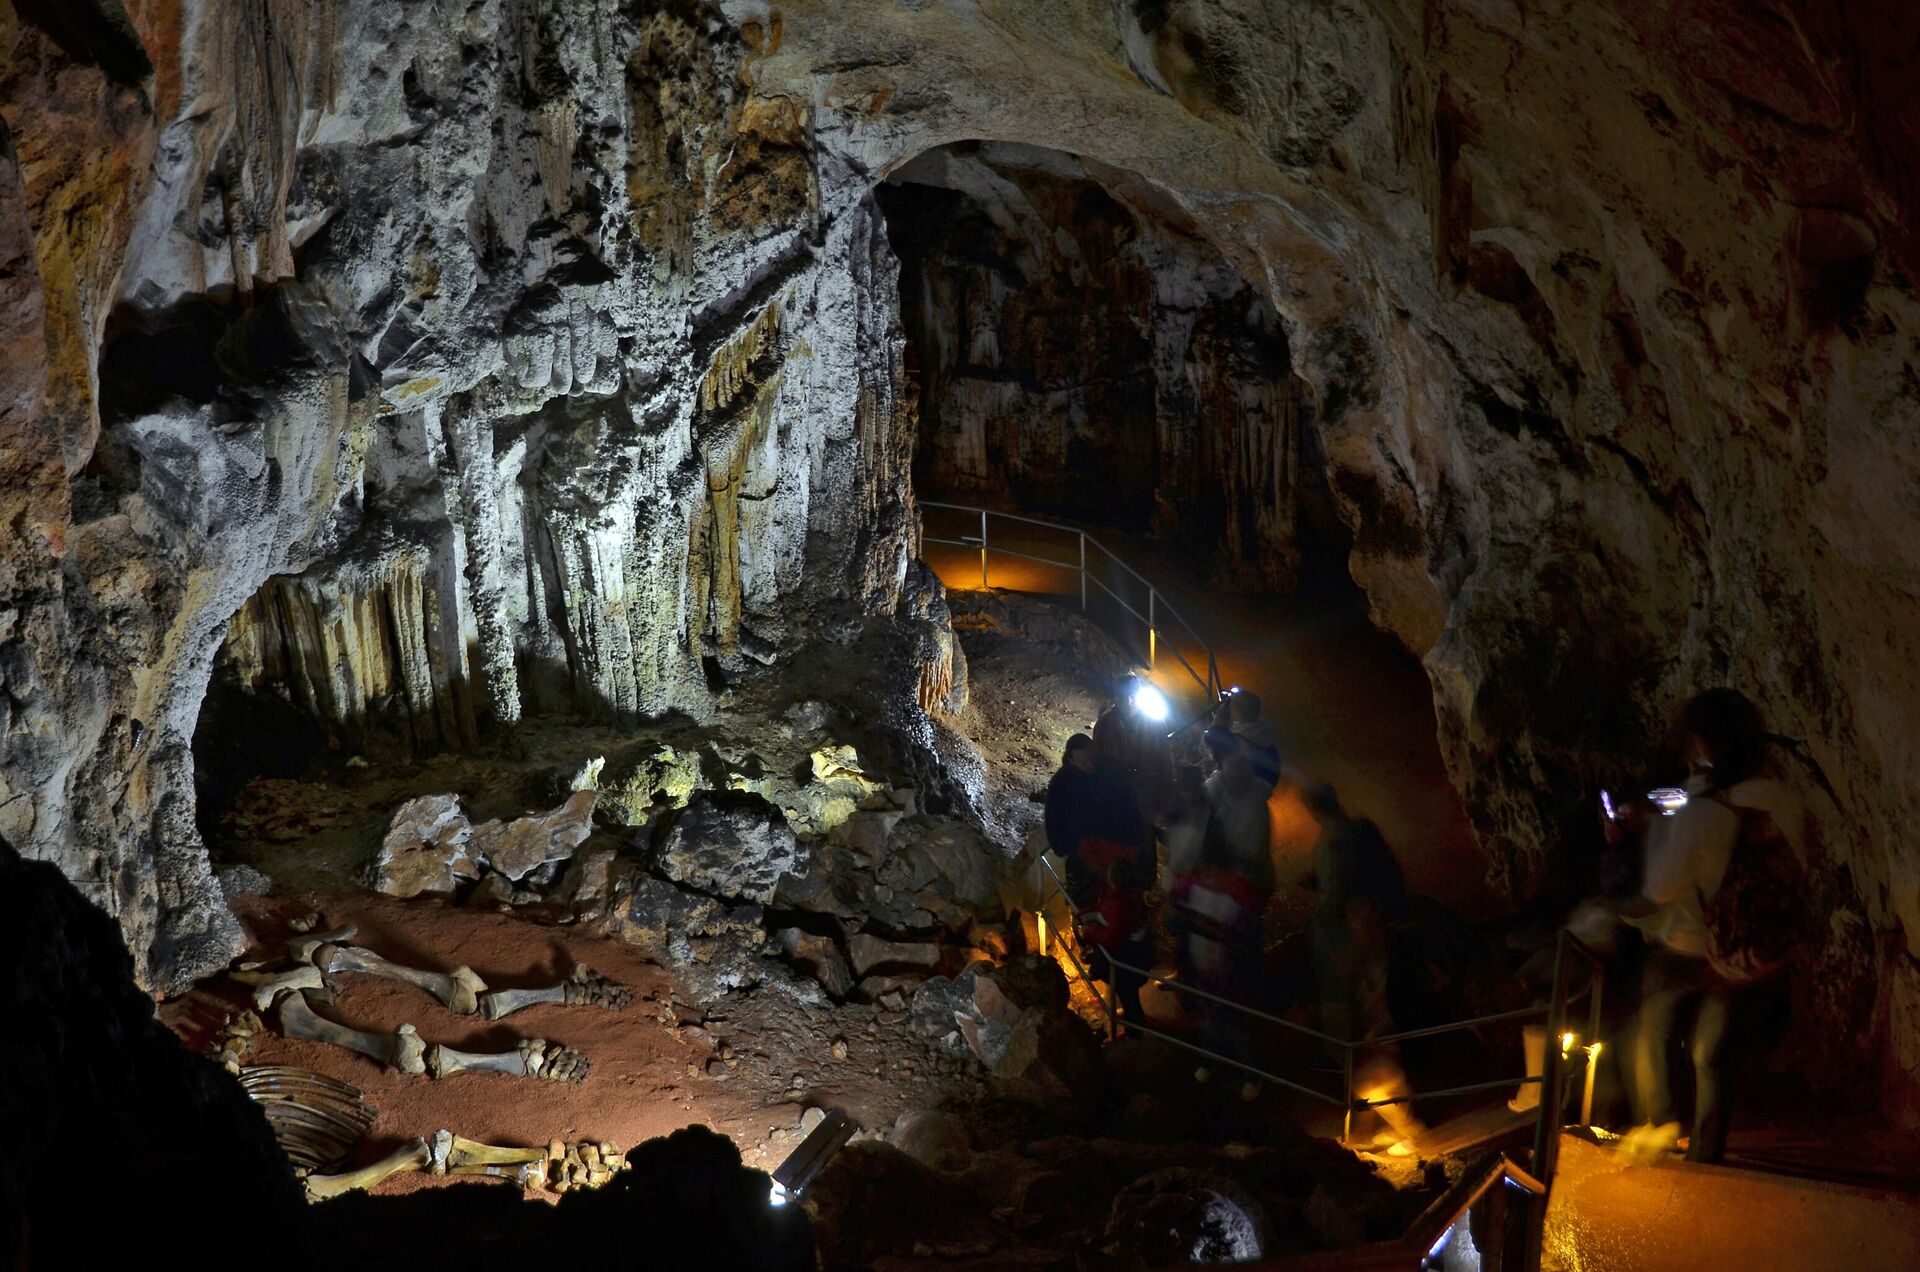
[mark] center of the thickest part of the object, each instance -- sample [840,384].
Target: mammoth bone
[402,1049]
[533,1058]
[457,990]
[585,987]
[268,986]
[559,1166]
[413,1155]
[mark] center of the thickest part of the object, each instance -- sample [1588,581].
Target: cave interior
[556,555]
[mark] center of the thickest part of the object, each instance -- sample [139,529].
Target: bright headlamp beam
[1150,702]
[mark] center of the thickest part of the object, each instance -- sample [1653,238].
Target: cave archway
[1083,351]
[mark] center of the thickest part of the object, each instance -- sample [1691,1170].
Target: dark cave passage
[1093,361]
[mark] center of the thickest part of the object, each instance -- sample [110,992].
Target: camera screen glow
[1150,702]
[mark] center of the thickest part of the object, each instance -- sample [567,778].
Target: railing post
[1083,571]
[1346,1128]
[983,549]
[1546,1132]
[1153,630]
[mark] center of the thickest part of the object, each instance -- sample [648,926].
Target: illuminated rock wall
[1082,357]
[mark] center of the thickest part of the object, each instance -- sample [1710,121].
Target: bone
[303,950]
[584,988]
[457,990]
[533,1058]
[269,986]
[451,1151]
[401,1049]
[504,1002]
[410,1156]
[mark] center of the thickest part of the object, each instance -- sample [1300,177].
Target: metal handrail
[1157,606]
[1551,1079]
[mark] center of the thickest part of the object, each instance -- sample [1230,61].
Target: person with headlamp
[1131,738]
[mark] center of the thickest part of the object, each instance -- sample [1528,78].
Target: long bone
[451,1151]
[533,1058]
[457,990]
[402,1049]
[412,1155]
[303,950]
[268,986]
[585,987]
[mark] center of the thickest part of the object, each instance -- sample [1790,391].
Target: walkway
[1352,707]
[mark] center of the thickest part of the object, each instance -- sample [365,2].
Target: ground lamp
[806,1162]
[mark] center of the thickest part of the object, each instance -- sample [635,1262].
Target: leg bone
[410,1156]
[457,990]
[303,950]
[402,1049]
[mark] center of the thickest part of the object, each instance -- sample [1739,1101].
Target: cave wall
[437,368]
[1607,308]
[1086,359]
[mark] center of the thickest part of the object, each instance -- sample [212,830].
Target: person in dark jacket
[1094,824]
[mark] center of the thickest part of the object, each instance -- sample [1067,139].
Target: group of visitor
[1702,887]
[1123,818]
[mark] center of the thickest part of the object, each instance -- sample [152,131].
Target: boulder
[492,889]
[817,956]
[721,943]
[933,1138]
[242,881]
[1052,1058]
[427,849]
[871,953]
[522,846]
[1181,1216]
[731,845]
[635,790]
[588,883]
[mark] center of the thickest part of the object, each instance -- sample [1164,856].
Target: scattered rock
[730,845]
[839,1049]
[1052,1058]
[811,1119]
[636,790]
[426,849]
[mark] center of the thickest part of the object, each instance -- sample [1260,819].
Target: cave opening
[1082,353]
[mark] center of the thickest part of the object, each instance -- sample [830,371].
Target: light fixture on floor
[805,1163]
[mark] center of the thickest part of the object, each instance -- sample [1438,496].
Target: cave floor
[656,1066]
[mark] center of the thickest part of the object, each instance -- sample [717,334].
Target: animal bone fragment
[450,1151]
[585,987]
[410,1156]
[402,1049]
[303,950]
[457,990]
[268,986]
[533,1058]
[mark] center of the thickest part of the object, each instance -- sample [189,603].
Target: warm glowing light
[1150,702]
[1041,918]
[1593,1051]
[1567,1042]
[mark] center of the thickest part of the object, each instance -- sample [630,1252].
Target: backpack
[1755,920]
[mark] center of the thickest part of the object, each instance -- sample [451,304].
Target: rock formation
[428,368]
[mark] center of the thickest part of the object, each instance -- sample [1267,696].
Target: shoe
[1526,1103]
[1203,1075]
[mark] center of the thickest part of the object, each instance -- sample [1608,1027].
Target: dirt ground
[749,1068]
